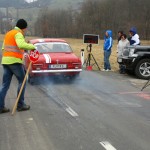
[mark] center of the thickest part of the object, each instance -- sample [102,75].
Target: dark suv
[137,60]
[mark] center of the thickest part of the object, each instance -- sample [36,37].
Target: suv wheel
[142,69]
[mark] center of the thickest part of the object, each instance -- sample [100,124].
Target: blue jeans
[106,60]
[10,70]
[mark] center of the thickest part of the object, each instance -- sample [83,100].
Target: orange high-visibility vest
[10,46]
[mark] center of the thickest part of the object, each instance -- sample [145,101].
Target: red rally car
[56,58]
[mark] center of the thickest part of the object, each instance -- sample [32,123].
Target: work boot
[4,110]
[23,108]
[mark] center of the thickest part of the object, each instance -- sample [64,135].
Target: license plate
[56,66]
[119,60]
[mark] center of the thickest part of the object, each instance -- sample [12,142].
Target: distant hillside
[53,4]
[23,9]
[16,9]
[75,4]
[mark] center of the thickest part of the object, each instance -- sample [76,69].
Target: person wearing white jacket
[120,48]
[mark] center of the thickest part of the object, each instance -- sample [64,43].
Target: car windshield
[53,47]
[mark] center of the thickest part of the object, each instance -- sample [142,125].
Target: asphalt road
[98,111]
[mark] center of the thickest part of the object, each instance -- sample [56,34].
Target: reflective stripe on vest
[13,49]
[10,46]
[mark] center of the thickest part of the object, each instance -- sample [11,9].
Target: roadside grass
[97,51]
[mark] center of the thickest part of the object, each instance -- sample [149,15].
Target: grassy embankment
[97,51]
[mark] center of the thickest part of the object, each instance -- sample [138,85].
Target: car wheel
[142,69]
[30,79]
[73,77]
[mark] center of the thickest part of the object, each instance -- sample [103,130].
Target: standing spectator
[134,37]
[119,35]
[120,47]
[12,60]
[107,49]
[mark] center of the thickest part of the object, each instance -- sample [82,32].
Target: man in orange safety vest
[12,61]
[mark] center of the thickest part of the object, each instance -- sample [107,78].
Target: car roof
[43,40]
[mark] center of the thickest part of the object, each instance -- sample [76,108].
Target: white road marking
[107,145]
[71,112]
[59,100]
[30,119]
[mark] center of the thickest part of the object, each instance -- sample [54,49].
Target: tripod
[146,85]
[90,57]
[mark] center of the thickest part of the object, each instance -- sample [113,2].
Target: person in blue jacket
[108,42]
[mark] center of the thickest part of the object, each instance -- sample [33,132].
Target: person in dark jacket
[108,41]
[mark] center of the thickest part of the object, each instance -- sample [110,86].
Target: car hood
[58,57]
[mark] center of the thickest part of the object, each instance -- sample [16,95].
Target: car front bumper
[128,62]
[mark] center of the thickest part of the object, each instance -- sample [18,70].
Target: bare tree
[95,17]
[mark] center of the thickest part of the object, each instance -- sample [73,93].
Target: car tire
[142,69]
[30,79]
[74,77]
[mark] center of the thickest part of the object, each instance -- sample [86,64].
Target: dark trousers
[10,70]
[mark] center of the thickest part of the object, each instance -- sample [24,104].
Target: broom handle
[16,102]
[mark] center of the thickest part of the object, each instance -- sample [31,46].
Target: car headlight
[131,53]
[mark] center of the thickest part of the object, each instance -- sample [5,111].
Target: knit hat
[22,24]
[133,29]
